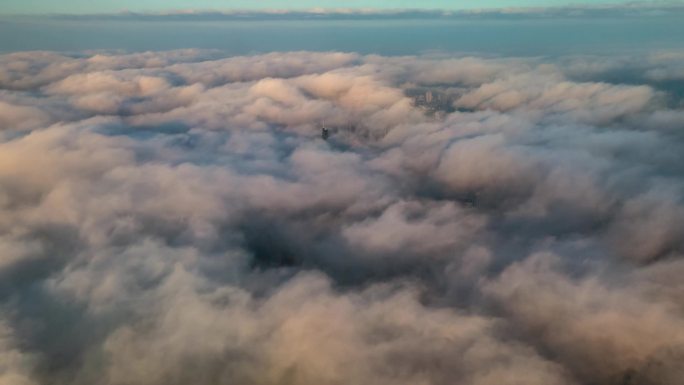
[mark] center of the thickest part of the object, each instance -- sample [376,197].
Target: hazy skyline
[106,6]
[542,32]
[579,29]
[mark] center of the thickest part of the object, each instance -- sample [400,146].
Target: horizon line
[574,10]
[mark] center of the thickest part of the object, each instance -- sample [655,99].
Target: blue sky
[107,6]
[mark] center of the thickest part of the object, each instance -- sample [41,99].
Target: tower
[325,133]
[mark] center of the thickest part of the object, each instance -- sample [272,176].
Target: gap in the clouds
[184,144]
[144,132]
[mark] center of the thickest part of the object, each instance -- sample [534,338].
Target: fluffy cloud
[174,217]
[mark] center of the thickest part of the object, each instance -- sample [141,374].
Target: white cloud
[174,218]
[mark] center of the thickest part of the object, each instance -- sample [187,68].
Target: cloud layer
[175,218]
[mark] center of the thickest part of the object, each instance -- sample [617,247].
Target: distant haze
[547,32]
[103,6]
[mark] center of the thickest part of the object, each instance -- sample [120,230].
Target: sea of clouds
[175,218]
